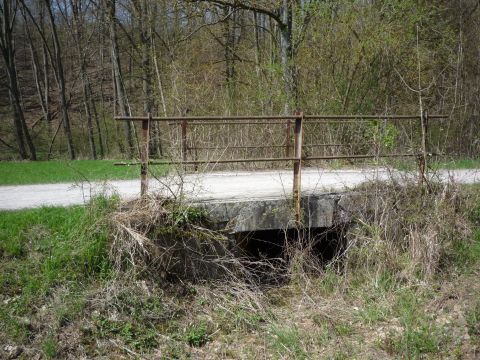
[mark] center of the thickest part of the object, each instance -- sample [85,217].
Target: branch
[7,144]
[205,25]
[240,5]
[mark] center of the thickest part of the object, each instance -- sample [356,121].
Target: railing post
[422,164]
[297,167]
[144,154]
[184,142]
[288,139]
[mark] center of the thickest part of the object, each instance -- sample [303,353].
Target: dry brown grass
[407,229]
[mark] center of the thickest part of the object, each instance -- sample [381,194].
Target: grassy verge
[458,164]
[61,297]
[43,172]
[50,258]
[440,164]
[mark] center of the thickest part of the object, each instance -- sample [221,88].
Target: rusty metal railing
[297,121]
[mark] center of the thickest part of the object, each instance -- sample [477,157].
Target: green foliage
[197,335]
[139,336]
[382,134]
[414,343]
[419,334]
[50,347]
[286,342]
[48,248]
[189,215]
[473,321]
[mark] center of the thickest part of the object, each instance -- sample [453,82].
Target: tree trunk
[7,24]
[229,49]
[117,74]
[287,58]
[146,42]
[60,77]
[77,33]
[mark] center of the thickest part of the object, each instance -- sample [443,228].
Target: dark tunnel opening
[271,249]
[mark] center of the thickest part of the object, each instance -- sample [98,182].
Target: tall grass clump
[170,240]
[409,232]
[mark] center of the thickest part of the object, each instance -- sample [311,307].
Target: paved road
[222,186]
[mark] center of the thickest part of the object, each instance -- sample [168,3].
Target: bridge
[285,180]
[277,199]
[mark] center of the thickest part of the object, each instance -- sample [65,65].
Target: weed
[141,337]
[414,343]
[197,335]
[71,307]
[473,322]
[286,341]
[50,347]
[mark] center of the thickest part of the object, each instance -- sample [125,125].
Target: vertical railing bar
[144,154]
[184,142]
[297,168]
[423,157]
[288,139]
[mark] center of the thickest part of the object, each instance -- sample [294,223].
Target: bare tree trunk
[286,58]
[229,49]
[60,77]
[257,44]
[37,76]
[117,73]
[146,41]
[7,23]
[77,33]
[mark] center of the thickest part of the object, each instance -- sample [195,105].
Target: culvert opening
[270,250]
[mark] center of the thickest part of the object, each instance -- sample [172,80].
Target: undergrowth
[149,279]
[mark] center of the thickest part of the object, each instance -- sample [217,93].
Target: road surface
[212,187]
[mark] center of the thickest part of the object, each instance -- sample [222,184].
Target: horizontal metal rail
[303,158]
[207,118]
[259,146]
[244,120]
[295,122]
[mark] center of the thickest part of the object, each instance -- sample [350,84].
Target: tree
[117,75]
[60,78]
[8,13]
[282,15]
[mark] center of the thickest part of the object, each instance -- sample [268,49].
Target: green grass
[56,280]
[47,250]
[458,164]
[286,342]
[44,172]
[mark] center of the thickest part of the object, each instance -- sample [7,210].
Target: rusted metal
[209,118]
[144,154]
[422,163]
[307,118]
[208,161]
[366,156]
[288,138]
[195,122]
[300,119]
[304,158]
[371,117]
[184,140]
[297,168]
[261,146]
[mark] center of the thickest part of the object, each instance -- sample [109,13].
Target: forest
[70,66]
